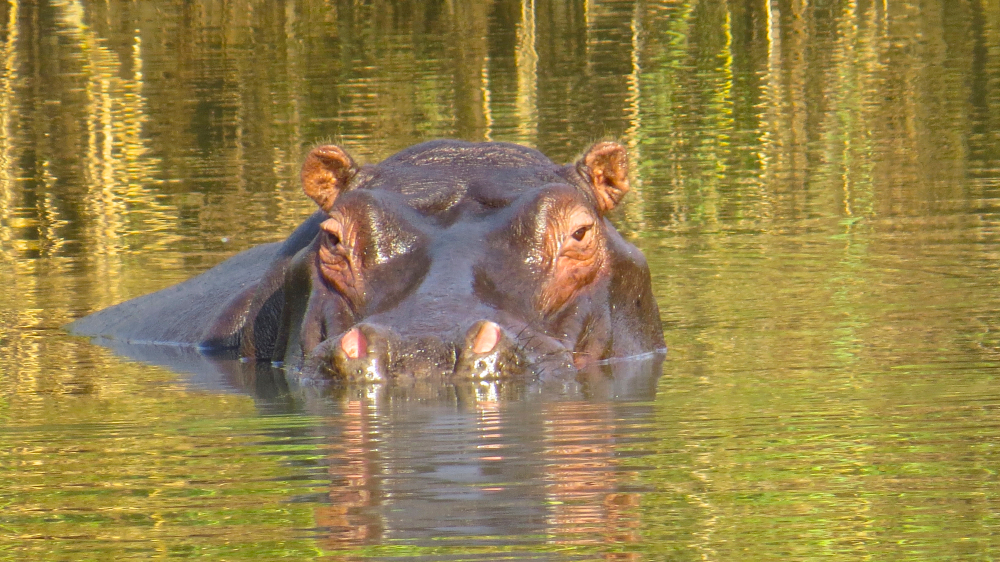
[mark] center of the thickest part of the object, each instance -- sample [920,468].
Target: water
[817,189]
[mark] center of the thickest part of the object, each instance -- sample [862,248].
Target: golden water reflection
[817,188]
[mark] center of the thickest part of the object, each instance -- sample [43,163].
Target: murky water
[817,188]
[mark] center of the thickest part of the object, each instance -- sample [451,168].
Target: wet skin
[448,259]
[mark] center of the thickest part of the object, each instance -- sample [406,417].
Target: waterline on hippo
[449,259]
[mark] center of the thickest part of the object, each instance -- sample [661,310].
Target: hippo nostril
[354,344]
[489,353]
[486,338]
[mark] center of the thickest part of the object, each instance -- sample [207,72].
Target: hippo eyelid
[332,228]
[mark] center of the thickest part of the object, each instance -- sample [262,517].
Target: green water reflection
[817,189]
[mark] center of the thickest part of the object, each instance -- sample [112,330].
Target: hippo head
[475,260]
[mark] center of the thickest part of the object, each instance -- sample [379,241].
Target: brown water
[817,188]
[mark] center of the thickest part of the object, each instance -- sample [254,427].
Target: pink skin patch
[487,338]
[354,344]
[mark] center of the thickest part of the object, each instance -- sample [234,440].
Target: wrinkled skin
[453,259]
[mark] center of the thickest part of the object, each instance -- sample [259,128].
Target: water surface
[816,187]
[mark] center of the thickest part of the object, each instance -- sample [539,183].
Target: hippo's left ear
[326,173]
[605,167]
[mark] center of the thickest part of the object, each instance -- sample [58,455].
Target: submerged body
[475,260]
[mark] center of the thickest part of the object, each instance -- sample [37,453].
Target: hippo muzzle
[374,353]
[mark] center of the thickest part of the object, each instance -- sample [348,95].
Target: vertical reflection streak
[134,149]
[850,39]
[636,208]
[725,98]
[527,76]
[104,155]
[239,93]
[7,113]
[634,85]
[767,117]
[487,109]
[292,67]
[772,87]
[289,124]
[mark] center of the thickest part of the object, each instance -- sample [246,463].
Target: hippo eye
[332,230]
[582,232]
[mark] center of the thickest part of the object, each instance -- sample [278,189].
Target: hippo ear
[605,167]
[325,174]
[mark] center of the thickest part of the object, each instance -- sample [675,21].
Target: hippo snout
[370,352]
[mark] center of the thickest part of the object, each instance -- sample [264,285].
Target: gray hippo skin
[454,259]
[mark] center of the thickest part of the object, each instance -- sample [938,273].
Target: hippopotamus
[450,258]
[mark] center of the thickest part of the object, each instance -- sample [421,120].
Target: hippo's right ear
[605,167]
[326,174]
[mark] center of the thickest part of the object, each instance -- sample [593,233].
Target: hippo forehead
[439,176]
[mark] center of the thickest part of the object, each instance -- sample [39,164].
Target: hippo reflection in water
[455,259]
